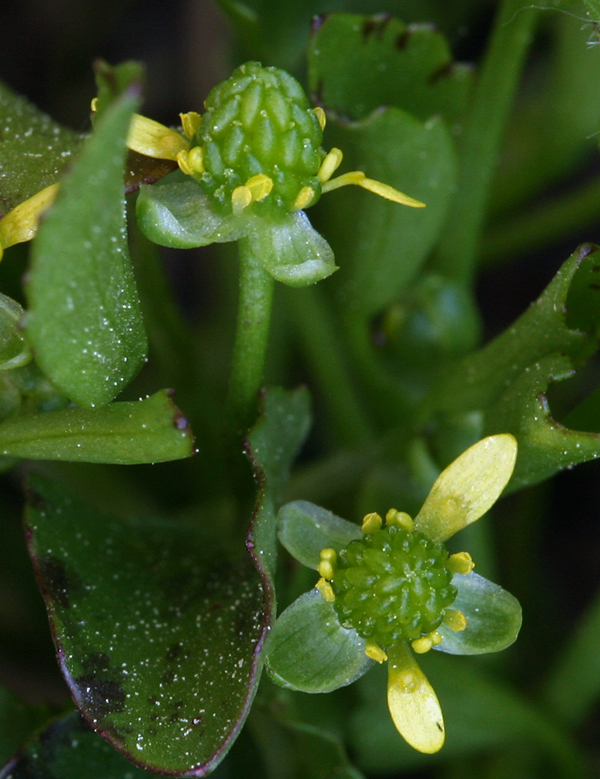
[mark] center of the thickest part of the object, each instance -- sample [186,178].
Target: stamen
[326,590]
[461,562]
[331,162]
[422,645]
[153,139]
[383,190]
[375,652]
[305,196]
[260,186]
[320,114]
[400,519]
[241,197]
[371,523]
[196,159]
[455,620]
[326,567]
[94,105]
[190,123]
[183,162]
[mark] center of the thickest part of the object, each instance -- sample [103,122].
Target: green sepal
[127,433]
[308,650]
[84,321]
[178,214]
[493,617]
[292,251]
[305,529]
[14,351]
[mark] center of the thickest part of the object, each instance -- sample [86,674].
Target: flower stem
[492,101]
[251,339]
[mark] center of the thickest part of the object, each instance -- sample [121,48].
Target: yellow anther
[94,105]
[455,620]
[182,161]
[190,123]
[329,554]
[241,197]
[326,569]
[422,645]
[320,114]
[436,637]
[461,562]
[260,186]
[375,652]
[154,139]
[331,162]
[383,190]
[326,590]
[304,198]
[21,223]
[371,523]
[196,159]
[400,519]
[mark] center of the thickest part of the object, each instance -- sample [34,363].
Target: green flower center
[259,121]
[392,585]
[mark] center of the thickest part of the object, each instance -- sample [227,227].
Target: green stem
[318,331]
[552,222]
[492,101]
[251,339]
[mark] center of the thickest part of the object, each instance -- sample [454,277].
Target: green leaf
[308,649]
[69,749]
[175,212]
[493,617]
[292,251]
[305,529]
[145,431]
[34,150]
[358,63]
[159,623]
[84,321]
[479,380]
[384,244]
[16,723]
[155,627]
[545,446]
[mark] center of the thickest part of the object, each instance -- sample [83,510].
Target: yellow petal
[377,187]
[154,139]
[468,487]
[21,223]
[413,704]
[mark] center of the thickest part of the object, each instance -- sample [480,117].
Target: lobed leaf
[357,64]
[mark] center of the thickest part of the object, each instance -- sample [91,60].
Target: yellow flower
[390,589]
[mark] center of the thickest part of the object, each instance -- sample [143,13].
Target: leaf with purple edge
[158,628]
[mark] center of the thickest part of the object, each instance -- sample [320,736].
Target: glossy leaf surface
[145,431]
[308,649]
[34,150]
[158,626]
[84,320]
[360,63]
